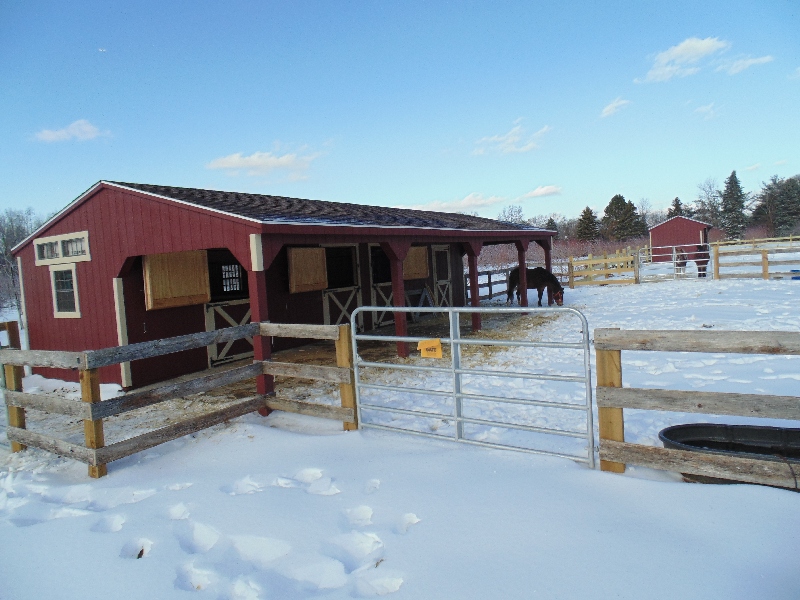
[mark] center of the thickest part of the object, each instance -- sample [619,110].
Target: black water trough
[780,444]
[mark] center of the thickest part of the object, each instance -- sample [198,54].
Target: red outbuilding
[127,263]
[677,232]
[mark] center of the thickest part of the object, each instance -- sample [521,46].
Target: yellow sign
[430,348]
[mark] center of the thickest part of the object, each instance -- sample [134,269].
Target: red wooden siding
[678,231]
[120,223]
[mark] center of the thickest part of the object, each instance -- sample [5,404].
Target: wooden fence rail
[722,256]
[612,398]
[93,410]
[618,268]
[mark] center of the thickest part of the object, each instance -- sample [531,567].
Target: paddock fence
[619,268]
[93,410]
[612,398]
[753,261]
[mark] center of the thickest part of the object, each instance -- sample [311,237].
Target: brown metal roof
[279,209]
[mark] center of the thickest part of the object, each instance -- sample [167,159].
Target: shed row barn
[126,263]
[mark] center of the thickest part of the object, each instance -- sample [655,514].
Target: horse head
[558,296]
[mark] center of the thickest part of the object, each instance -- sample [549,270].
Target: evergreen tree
[676,210]
[778,206]
[552,226]
[732,214]
[588,228]
[621,221]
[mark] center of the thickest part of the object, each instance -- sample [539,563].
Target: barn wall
[676,232]
[120,224]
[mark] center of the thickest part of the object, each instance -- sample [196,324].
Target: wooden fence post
[636,268]
[716,262]
[764,265]
[344,358]
[93,430]
[571,274]
[14,375]
[610,421]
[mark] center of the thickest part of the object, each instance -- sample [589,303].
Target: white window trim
[65,267]
[59,260]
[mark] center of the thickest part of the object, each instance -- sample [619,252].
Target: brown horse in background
[538,278]
[701,259]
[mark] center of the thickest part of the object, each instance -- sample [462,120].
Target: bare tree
[15,226]
[511,214]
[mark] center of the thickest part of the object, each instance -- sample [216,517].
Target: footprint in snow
[360,516]
[136,548]
[245,485]
[406,521]
[372,486]
[244,589]
[191,579]
[260,551]
[176,487]
[195,538]
[109,524]
[178,512]
[355,549]
[374,581]
[311,479]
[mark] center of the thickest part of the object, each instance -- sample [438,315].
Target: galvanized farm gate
[458,395]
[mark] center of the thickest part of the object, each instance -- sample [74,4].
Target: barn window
[65,291]
[61,249]
[307,271]
[227,278]
[340,262]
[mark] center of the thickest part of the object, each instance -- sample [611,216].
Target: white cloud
[781,162]
[263,163]
[472,201]
[514,142]
[614,107]
[542,190]
[707,111]
[754,167]
[744,63]
[80,130]
[682,60]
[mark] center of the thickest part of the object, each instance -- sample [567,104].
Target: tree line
[773,211]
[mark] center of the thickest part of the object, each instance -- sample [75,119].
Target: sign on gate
[518,394]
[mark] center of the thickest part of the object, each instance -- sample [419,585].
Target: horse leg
[540,291]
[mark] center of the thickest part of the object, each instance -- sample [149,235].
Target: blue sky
[452,106]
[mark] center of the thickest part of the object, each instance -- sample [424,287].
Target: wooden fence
[619,268]
[612,398]
[790,240]
[722,260]
[93,410]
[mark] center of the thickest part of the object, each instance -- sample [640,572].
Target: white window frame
[76,314]
[60,260]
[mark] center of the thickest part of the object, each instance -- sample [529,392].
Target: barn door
[220,315]
[343,294]
[442,276]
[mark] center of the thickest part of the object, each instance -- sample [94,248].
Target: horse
[701,259]
[538,278]
[681,258]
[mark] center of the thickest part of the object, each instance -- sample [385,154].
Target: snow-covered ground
[291,507]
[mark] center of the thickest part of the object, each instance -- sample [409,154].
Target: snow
[292,507]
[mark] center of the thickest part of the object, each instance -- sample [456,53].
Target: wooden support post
[93,430]
[344,358]
[610,421]
[489,275]
[396,252]
[764,265]
[716,262]
[522,249]
[259,313]
[14,375]
[473,251]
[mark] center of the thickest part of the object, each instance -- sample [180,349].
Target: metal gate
[451,399]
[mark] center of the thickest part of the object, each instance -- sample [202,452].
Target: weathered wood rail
[612,398]
[618,268]
[93,410]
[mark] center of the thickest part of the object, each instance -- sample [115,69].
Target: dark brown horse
[539,279]
[701,259]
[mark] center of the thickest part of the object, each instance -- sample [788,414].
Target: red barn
[677,231]
[127,263]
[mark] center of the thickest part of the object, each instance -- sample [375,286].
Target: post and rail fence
[612,398]
[92,409]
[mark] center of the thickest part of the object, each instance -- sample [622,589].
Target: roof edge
[682,217]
